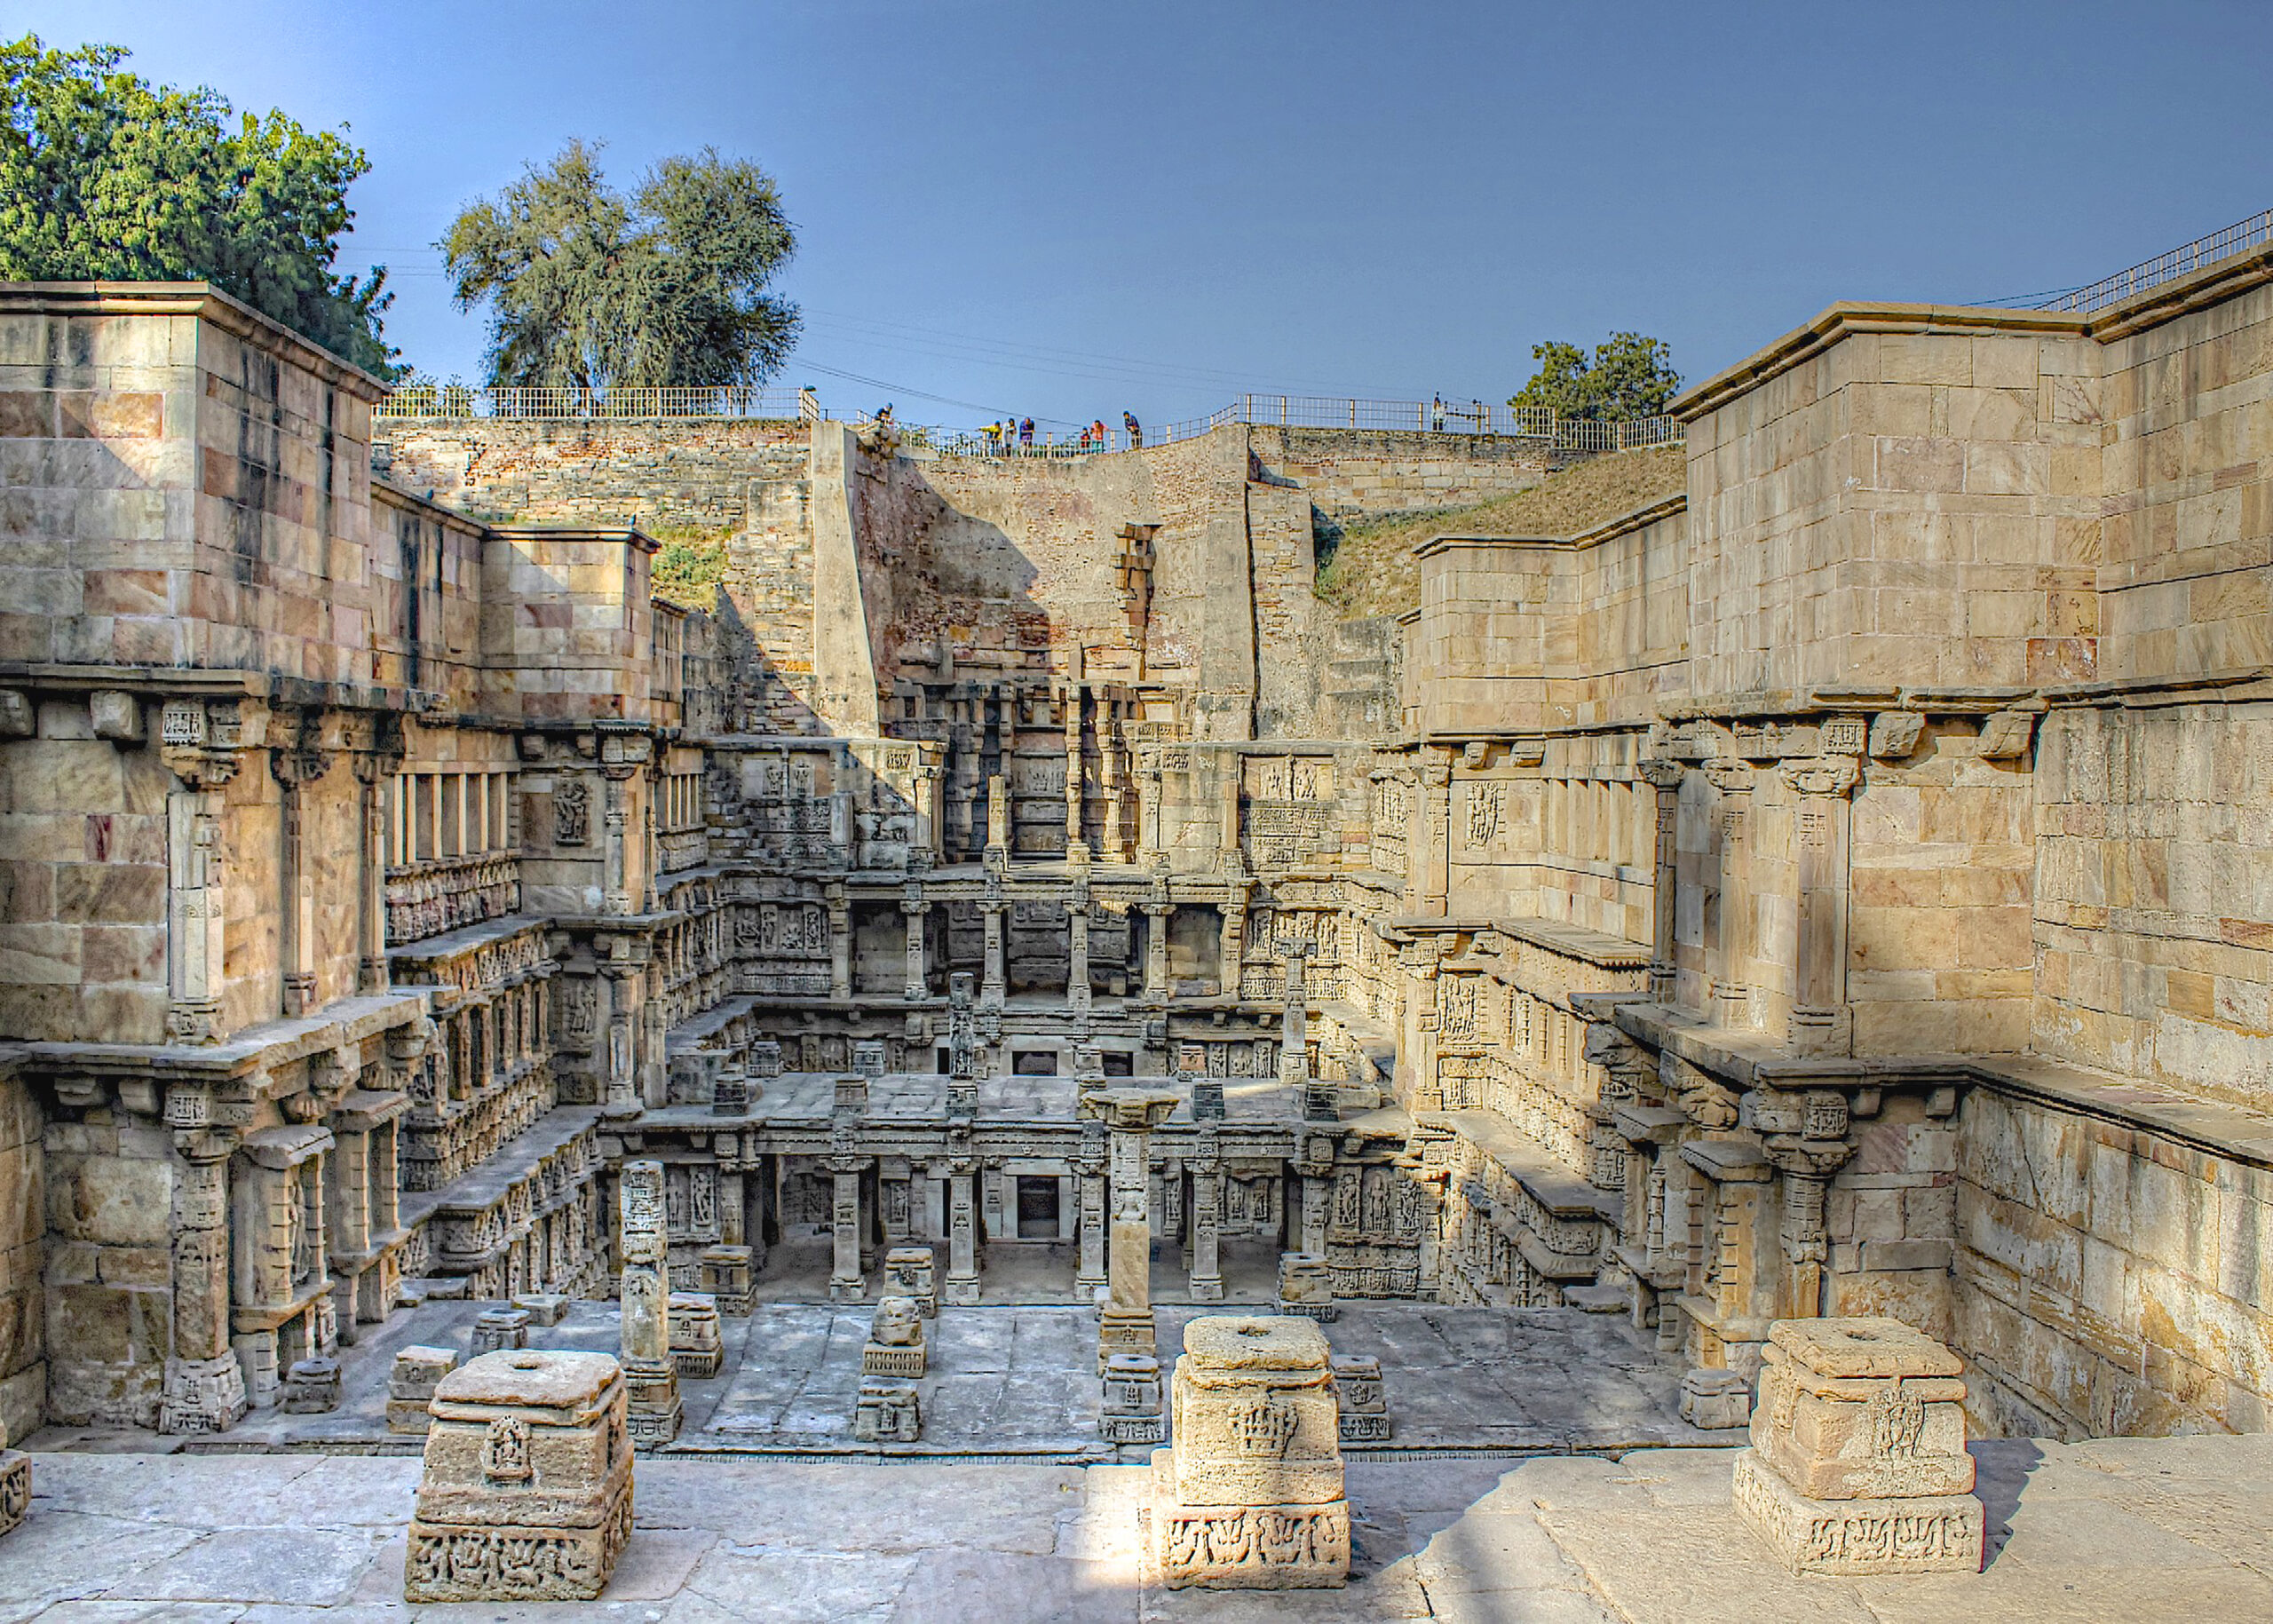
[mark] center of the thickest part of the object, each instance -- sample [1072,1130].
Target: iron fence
[2255,231]
[422,398]
[425,399]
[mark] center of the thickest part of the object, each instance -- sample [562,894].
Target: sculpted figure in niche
[571,813]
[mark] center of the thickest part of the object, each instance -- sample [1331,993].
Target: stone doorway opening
[1038,1209]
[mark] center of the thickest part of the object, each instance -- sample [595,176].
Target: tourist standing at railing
[1136,431]
[1097,430]
[1436,413]
[1026,432]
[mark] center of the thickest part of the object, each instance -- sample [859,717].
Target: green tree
[104,177]
[589,288]
[1629,376]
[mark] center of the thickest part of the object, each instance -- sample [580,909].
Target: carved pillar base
[655,1411]
[1120,1331]
[202,1395]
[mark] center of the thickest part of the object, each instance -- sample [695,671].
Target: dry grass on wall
[1372,570]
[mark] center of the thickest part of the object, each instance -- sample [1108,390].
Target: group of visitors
[1008,433]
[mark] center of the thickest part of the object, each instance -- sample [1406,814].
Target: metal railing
[425,398]
[2255,231]
[1469,418]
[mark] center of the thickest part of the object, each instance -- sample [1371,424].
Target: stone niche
[526,1492]
[1858,1462]
[1249,1493]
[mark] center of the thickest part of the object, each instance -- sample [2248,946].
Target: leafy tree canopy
[1629,376]
[589,288]
[104,177]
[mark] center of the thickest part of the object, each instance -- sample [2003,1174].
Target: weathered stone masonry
[1830,891]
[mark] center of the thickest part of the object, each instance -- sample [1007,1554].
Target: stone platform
[1021,1380]
[2148,1531]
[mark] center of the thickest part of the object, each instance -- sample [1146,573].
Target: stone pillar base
[726,1273]
[961,1292]
[854,1290]
[1246,1547]
[15,1488]
[1207,1288]
[655,1411]
[449,1562]
[1119,1333]
[1926,1533]
[202,1395]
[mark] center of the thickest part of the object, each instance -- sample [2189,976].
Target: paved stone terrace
[1021,1379]
[2141,1530]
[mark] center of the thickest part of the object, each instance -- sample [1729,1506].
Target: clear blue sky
[1067,209]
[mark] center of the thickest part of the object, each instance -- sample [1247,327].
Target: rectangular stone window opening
[1037,1208]
[1035,1063]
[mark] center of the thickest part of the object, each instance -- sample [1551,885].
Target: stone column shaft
[963,1250]
[1090,1271]
[204,1385]
[1077,939]
[917,988]
[1206,1225]
[645,1295]
[1156,950]
[994,987]
[845,1284]
[840,949]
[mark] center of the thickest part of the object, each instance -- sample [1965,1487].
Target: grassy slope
[1371,571]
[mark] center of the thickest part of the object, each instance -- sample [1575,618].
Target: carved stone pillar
[994,987]
[1157,916]
[926,850]
[1206,1220]
[1732,999]
[373,772]
[293,769]
[733,1215]
[1806,1170]
[963,1249]
[1421,960]
[840,943]
[1148,814]
[1077,949]
[204,1385]
[997,855]
[1822,1023]
[1130,1114]
[197,904]
[1090,1272]
[1234,953]
[915,909]
[1436,856]
[615,852]
[644,1291]
[622,1082]
[1077,843]
[1294,1024]
[1664,777]
[845,1284]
